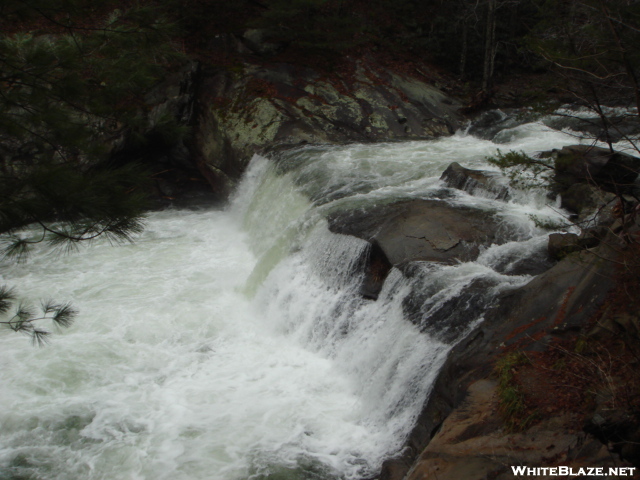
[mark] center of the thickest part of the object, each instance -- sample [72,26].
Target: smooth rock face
[414,231]
[251,108]
[421,230]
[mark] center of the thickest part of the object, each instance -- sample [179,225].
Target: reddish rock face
[263,106]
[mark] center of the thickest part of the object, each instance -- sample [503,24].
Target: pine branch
[24,320]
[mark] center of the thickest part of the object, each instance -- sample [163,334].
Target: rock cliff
[251,107]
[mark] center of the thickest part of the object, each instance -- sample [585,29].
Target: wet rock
[446,319]
[527,317]
[534,262]
[474,181]
[421,230]
[376,271]
[491,122]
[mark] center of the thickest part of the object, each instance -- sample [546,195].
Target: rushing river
[228,344]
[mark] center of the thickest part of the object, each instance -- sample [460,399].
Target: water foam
[233,344]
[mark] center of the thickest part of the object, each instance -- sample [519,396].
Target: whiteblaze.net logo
[573,472]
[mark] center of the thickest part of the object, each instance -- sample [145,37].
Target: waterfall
[232,343]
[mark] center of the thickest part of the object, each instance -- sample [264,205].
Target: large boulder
[489,123]
[614,172]
[414,231]
[585,198]
[421,230]
[562,244]
[472,443]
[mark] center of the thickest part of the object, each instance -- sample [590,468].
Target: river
[231,343]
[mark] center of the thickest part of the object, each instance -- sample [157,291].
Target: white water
[232,344]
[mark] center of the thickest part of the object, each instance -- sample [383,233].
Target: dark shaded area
[376,270]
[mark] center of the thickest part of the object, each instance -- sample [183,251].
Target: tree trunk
[464,49]
[489,45]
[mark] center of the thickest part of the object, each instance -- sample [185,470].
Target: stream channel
[232,343]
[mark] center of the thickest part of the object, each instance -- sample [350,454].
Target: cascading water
[233,344]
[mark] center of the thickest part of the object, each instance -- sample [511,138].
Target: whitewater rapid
[228,344]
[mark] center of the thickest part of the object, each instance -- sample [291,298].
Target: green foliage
[523,171]
[73,76]
[71,205]
[23,318]
[512,401]
[64,94]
